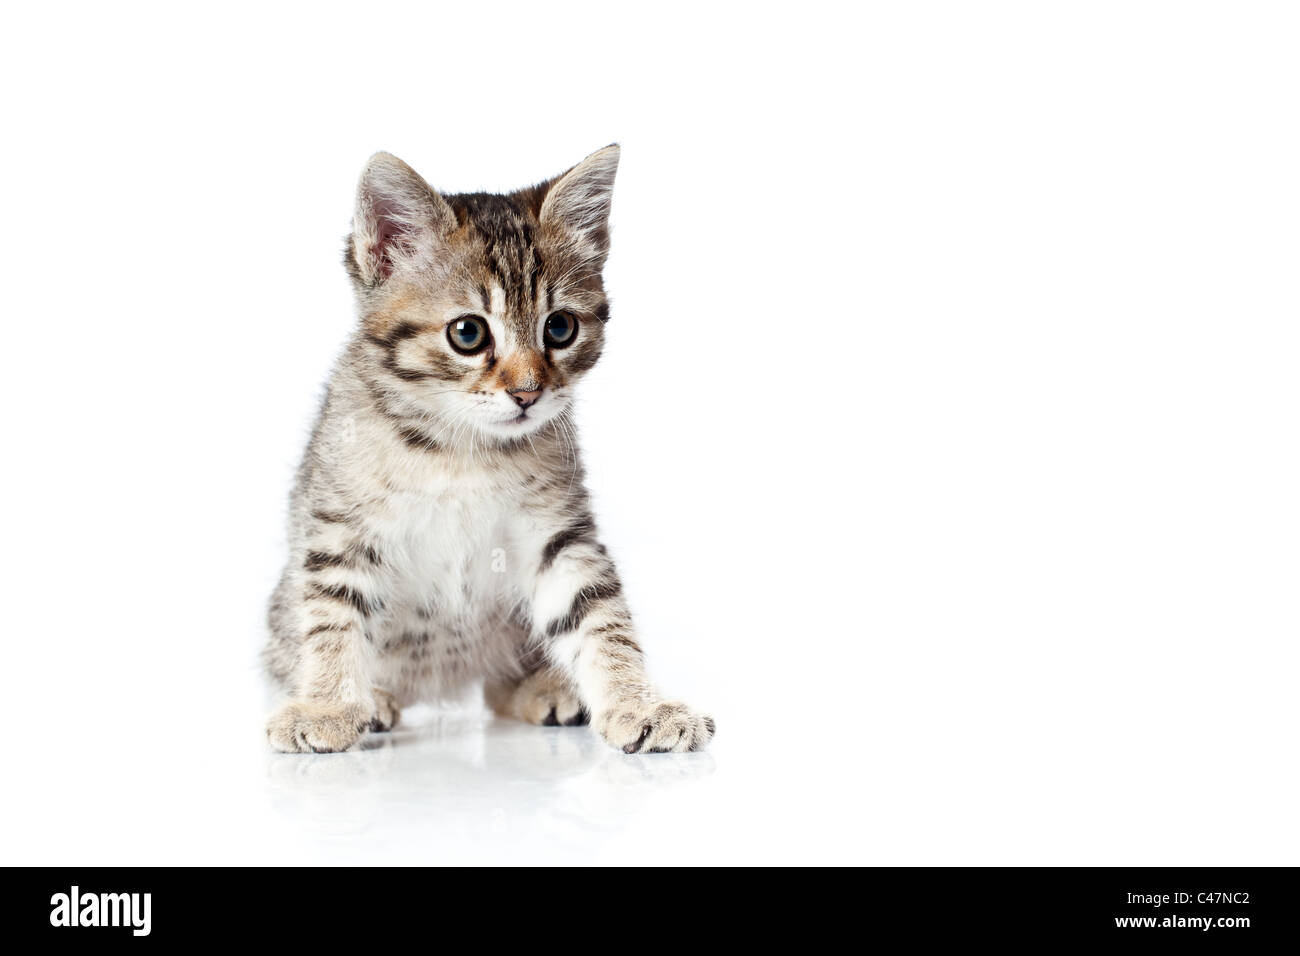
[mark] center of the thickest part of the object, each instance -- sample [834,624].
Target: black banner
[1224,907]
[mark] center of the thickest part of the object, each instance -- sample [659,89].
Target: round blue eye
[560,329]
[468,334]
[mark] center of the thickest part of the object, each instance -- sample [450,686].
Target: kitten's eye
[561,327]
[468,334]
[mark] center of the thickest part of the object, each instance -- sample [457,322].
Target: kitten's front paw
[654,727]
[300,727]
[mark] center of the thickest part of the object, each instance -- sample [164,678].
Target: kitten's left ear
[577,203]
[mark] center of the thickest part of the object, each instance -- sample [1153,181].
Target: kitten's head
[480,312]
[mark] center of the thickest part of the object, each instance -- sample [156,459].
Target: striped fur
[440,531]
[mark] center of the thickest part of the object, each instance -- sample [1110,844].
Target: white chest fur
[447,547]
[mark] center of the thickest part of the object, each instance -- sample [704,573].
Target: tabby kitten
[440,533]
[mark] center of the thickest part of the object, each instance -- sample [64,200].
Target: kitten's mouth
[523,419]
[526,420]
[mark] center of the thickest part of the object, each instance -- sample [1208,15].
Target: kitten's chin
[521,426]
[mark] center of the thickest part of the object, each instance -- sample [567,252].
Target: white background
[945,436]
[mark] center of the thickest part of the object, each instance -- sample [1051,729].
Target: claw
[636,745]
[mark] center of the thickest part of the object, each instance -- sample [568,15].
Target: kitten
[440,532]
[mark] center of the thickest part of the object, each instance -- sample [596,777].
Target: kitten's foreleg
[584,624]
[333,701]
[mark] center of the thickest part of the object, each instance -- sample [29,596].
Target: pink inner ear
[388,231]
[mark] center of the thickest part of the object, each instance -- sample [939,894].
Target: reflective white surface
[463,787]
[449,785]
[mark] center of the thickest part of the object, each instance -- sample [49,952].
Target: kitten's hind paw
[386,714]
[300,727]
[544,697]
[655,727]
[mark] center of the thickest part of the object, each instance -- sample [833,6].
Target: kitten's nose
[524,399]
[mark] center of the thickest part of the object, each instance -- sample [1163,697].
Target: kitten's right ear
[397,219]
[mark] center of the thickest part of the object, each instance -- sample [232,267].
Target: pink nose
[524,399]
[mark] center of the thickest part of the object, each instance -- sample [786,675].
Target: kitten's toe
[300,727]
[575,718]
[387,713]
[555,709]
[657,727]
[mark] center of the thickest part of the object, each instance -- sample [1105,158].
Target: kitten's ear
[577,203]
[398,218]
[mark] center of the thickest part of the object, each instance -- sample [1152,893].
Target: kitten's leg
[579,609]
[333,703]
[333,699]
